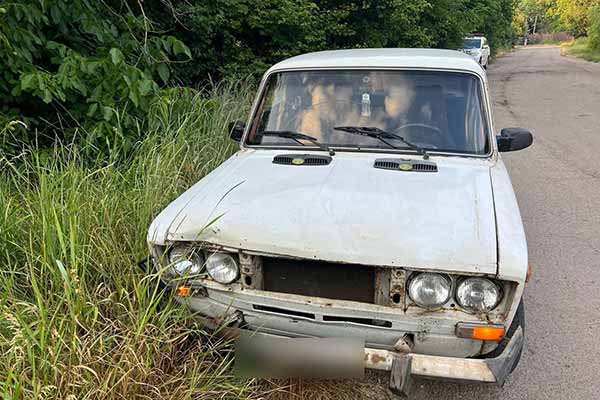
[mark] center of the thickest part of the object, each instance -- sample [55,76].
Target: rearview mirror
[236,130]
[513,139]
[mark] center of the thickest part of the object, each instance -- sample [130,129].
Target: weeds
[78,320]
[580,48]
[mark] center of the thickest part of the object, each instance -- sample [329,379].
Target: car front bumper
[403,366]
[236,311]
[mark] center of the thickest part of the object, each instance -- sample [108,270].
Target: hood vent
[301,159]
[405,165]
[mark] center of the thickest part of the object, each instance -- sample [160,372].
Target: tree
[573,14]
[86,64]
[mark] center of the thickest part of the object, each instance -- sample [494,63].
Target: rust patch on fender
[376,358]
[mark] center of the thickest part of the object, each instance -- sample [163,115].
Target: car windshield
[472,43]
[434,110]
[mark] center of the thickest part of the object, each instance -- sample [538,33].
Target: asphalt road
[557,182]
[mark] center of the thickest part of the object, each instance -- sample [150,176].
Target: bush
[71,64]
[594,28]
[241,37]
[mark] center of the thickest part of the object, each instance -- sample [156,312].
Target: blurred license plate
[261,356]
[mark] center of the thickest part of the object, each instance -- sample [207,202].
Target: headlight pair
[187,261]
[431,290]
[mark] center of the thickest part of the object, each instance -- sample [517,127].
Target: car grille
[301,159]
[319,279]
[405,165]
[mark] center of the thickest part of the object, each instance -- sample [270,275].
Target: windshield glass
[436,111]
[472,43]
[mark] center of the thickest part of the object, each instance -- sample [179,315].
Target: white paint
[382,58]
[347,211]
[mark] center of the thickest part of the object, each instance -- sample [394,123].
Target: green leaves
[116,56]
[72,64]
[163,72]
[180,48]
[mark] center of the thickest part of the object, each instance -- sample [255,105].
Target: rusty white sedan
[368,200]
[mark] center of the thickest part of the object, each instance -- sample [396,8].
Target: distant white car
[478,48]
[368,200]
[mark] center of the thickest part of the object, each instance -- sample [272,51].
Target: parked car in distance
[367,200]
[478,48]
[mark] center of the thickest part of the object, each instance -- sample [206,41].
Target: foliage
[580,48]
[533,16]
[241,37]
[594,28]
[74,63]
[495,20]
[78,318]
[573,14]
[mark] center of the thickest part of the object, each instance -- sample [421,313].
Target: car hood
[347,212]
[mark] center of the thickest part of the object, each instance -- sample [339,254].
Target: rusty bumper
[403,366]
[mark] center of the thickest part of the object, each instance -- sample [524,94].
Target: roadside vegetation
[588,47]
[581,48]
[78,319]
[573,24]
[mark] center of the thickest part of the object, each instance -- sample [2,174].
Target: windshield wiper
[297,137]
[380,134]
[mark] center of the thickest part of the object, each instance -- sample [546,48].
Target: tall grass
[78,320]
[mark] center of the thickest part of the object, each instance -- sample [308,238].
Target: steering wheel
[430,127]
[433,129]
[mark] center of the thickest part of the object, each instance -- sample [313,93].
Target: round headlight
[429,290]
[222,267]
[478,294]
[185,261]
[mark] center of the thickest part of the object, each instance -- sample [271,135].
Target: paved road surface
[557,182]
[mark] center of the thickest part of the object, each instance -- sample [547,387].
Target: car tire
[518,320]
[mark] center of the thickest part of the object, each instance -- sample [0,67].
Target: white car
[367,200]
[478,48]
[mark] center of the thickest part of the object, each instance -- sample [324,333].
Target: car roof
[382,58]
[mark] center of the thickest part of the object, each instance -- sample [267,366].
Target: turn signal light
[487,332]
[529,273]
[184,291]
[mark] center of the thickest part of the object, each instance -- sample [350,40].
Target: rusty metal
[397,294]
[382,286]
[251,271]
[406,344]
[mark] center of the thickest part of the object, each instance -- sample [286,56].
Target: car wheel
[518,320]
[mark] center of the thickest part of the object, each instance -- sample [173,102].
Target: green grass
[580,49]
[78,320]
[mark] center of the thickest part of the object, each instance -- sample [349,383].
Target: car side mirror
[236,130]
[513,139]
